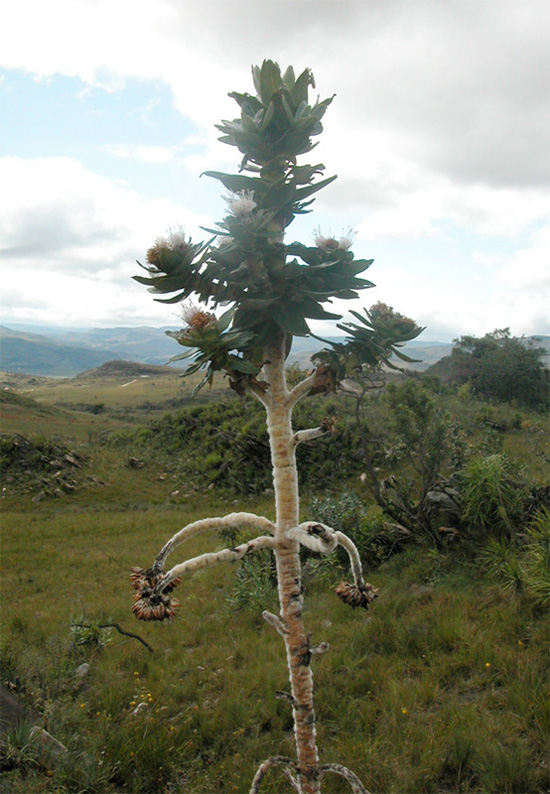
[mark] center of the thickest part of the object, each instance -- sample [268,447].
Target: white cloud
[529,268]
[441,118]
[73,236]
[141,153]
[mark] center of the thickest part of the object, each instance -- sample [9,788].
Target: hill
[39,355]
[62,352]
[124,370]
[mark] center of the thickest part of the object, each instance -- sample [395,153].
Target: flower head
[241,205]
[195,317]
[330,243]
[175,241]
[357,595]
[149,604]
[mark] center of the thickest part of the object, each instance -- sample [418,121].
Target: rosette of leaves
[210,346]
[370,344]
[275,126]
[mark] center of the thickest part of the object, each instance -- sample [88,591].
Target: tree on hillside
[272,289]
[501,367]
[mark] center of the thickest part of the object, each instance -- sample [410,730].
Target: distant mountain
[54,351]
[65,353]
[38,355]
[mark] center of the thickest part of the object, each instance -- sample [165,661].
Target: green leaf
[243,365]
[300,87]
[248,103]
[290,319]
[403,357]
[225,320]
[304,192]
[268,115]
[256,78]
[235,182]
[270,80]
[248,123]
[289,78]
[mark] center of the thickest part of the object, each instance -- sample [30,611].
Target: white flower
[241,205]
[195,317]
[331,243]
[176,240]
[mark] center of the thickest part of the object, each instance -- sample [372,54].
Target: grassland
[441,687]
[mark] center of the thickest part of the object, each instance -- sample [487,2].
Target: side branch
[300,390]
[277,760]
[309,435]
[318,537]
[355,784]
[208,524]
[152,601]
[360,593]
[213,558]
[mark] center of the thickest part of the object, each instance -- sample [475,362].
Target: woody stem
[285,481]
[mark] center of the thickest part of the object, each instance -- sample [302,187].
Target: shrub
[493,501]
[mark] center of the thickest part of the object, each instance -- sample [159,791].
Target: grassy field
[441,687]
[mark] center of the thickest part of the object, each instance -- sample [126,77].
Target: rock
[58,492]
[82,671]
[49,745]
[39,497]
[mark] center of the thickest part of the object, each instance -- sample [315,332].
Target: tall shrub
[273,289]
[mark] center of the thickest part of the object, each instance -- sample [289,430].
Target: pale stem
[213,558]
[274,621]
[353,554]
[277,760]
[300,390]
[285,483]
[208,524]
[309,435]
[356,786]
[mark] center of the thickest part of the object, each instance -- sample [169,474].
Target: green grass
[441,687]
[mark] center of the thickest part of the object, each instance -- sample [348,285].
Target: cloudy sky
[438,133]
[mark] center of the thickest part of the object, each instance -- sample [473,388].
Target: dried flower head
[357,595]
[241,205]
[330,243]
[195,317]
[151,605]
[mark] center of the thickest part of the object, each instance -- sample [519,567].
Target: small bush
[493,501]
[536,562]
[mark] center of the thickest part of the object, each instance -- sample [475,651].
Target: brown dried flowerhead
[357,595]
[151,605]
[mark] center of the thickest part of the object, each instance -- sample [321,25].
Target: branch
[207,524]
[315,536]
[356,786]
[354,558]
[213,558]
[277,760]
[152,601]
[360,593]
[274,621]
[300,390]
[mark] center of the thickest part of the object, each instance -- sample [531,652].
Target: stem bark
[285,483]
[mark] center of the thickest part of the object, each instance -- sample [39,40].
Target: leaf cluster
[370,343]
[275,288]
